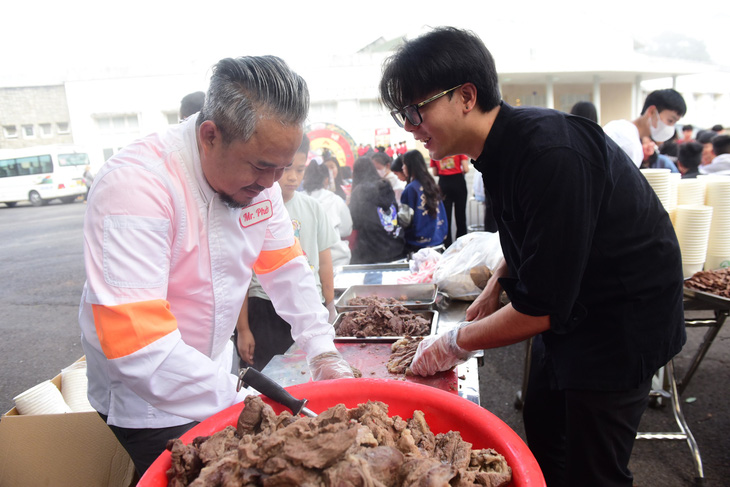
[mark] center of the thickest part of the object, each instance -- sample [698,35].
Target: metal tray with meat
[379,323]
[710,286]
[410,296]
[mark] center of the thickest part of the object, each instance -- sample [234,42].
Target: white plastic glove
[439,353]
[330,365]
[332,311]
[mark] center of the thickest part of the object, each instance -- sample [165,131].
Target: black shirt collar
[495,135]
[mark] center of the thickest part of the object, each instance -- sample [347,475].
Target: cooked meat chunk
[713,282]
[348,447]
[380,320]
[368,300]
[401,356]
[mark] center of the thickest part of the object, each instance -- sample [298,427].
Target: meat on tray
[713,282]
[401,355]
[339,447]
[380,320]
[367,300]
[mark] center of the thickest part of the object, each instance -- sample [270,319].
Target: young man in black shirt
[591,265]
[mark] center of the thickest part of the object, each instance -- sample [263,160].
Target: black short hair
[687,128]
[191,103]
[667,99]
[716,128]
[439,60]
[585,109]
[705,136]
[721,145]
[690,155]
[381,158]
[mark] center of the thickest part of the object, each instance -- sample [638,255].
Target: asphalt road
[42,276]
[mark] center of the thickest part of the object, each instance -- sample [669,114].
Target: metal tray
[369,274]
[431,315]
[719,301]
[415,296]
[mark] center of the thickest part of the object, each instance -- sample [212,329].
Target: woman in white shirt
[316,180]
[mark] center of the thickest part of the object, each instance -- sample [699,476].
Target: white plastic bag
[452,275]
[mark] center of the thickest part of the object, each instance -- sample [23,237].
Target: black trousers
[453,189]
[271,332]
[144,445]
[579,437]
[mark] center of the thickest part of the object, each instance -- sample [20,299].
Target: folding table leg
[684,433]
[710,334]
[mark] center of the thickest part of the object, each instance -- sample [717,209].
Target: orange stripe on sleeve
[126,328]
[270,260]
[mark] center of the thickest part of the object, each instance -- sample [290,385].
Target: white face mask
[381,172]
[662,132]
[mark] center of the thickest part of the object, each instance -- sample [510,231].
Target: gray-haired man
[177,223]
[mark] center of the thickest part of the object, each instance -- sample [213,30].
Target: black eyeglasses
[411,113]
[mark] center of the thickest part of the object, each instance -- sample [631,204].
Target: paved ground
[654,462]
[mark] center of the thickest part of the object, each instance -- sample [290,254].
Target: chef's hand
[439,353]
[246,345]
[333,312]
[488,300]
[330,365]
[484,305]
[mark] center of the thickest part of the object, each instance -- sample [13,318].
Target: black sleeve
[558,200]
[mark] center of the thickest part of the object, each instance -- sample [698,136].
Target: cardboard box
[59,450]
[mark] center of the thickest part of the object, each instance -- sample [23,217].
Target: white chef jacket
[167,267]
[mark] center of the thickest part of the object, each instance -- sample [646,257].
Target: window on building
[10,131]
[322,111]
[62,127]
[370,107]
[45,129]
[28,131]
[117,124]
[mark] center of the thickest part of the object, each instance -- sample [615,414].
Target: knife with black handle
[273,391]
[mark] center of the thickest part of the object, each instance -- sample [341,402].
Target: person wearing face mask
[662,110]
[382,165]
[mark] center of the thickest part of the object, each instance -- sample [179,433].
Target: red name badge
[251,215]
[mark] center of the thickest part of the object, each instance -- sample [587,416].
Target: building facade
[34,115]
[106,112]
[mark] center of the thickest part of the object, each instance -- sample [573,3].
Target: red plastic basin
[444,412]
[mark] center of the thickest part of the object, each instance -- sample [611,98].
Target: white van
[41,174]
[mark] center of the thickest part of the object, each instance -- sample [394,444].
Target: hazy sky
[44,37]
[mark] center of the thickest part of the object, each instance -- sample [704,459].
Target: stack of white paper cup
[691,192]
[659,180]
[693,229]
[674,179]
[44,398]
[718,246]
[74,385]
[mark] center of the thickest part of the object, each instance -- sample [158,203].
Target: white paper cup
[44,398]
[74,385]
[689,269]
[717,262]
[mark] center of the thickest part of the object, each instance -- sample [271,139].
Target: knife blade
[273,391]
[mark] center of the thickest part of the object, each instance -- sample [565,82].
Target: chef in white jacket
[176,223]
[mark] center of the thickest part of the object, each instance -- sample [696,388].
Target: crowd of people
[390,208]
[651,140]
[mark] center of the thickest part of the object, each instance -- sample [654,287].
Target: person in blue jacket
[422,210]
